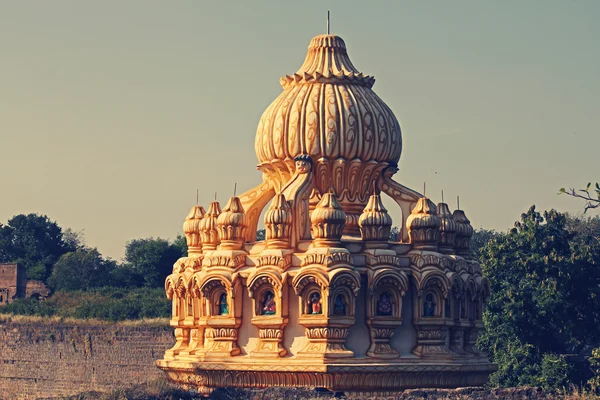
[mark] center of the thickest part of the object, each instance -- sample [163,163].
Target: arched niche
[432,290]
[344,287]
[312,287]
[216,289]
[266,289]
[387,287]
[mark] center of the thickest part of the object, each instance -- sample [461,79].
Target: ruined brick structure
[14,284]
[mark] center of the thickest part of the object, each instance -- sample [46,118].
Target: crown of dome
[464,231]
[191,228]
[423,225]
[375,222]
[278,223]
[208,227]
[328,111]
[327,221]
[447,229]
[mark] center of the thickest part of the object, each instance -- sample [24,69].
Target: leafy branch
[585,194]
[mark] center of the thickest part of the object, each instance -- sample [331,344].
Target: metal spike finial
[442,195]
[234,189]
[424,187]
[215,196]
[328,22]
[197,194]
[458,202]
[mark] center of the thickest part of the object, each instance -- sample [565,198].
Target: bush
[112,304]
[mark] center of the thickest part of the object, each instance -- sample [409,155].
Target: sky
[113,113]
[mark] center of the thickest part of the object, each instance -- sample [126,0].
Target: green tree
[545,301]
[81,269]
[152,259]
[480,239]
[34,241]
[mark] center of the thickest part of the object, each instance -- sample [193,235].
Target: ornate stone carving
[232,224]
[447,229]
[191,229]
[464,231]
[423,225]
[327,222]
[208,227]
[326,148]
[278,223]
[375,222]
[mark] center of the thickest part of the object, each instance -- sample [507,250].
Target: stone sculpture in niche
[328,150]
[314,304]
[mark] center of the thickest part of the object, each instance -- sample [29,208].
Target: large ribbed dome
[327,109]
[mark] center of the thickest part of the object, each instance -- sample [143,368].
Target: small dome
[327,221]
[232,224]
[208,227]
[464,232]
[278,223]
[191,228]
[447,229]
[423,225]
[375,222]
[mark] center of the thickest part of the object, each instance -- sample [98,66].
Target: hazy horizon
[113,113]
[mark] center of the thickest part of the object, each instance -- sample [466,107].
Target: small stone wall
[42,358]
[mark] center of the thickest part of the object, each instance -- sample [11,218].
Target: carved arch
[308,275]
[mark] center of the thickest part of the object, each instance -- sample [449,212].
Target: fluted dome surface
[328,110]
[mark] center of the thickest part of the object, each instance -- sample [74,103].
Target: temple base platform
[349,376]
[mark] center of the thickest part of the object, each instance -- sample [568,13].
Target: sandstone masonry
[42,358]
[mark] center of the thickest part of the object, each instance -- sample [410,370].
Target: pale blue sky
[112,113]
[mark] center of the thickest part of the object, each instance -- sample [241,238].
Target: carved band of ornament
[439,334]
[383,260]
[383,333]
[330,78]
[225,261]
[424,235]
[265,280]
[395,282]
[305,281]
[424,260]
[211,285]
[327,333]
[270,333]
[345,281]
[216,333]
[281,262]
[327,259]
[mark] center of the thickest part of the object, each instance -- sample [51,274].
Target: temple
[327,300]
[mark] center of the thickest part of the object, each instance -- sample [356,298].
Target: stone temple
[327,300]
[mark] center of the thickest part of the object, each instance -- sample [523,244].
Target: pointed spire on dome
[375,222]
[423,225]
[278,223]
[464,232]
[232,224]
[191,228]
[208,227]
[447,229]
[327,222]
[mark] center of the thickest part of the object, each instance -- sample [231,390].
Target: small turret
[464,232]
[375,222]
[232,224]
[208,227]
[278,223]
[423,225]
[327,222]
[447,229]
[191,228]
